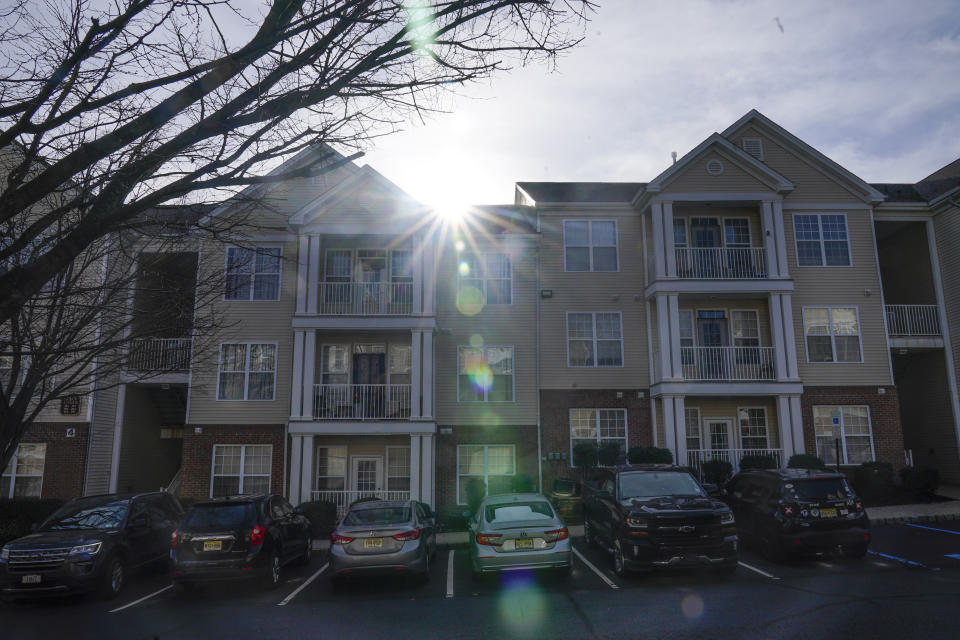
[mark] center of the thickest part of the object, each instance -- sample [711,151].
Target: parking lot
[907,586]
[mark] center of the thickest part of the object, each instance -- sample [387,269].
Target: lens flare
[476,341]
[464,269]
[481,376]
[521,605]
[692,606]
[469,300]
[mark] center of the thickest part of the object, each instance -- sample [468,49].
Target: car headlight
[726,518]
[91,549]
[636,523]
[4,554]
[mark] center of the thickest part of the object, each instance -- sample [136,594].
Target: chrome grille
[688,532]
[29,560]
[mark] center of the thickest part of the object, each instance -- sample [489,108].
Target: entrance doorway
[366,475]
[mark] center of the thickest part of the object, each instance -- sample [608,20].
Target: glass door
[720,438]
[366,475]
[372,275]
[713,334]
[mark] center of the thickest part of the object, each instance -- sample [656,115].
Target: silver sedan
[518,531]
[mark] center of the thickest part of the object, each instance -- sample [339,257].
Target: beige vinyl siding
[260,321]
[362,446]
[100,451]
[717,407]
[496,325]
[596,292]
[728,306]
[685,212]
[946,226]
[695,178]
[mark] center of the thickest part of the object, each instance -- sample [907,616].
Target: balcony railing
[366,298]
[159,354]
[715,364]
[361,402]
[913,320]
[344,498]
[696,457]
[721,263]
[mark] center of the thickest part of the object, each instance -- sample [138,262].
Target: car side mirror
[712,489]
[140,522]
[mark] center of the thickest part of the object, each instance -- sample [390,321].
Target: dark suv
[90,543]
[239,537]
[657,516]
[794,510]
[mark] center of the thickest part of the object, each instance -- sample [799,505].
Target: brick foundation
[198,454]
[66,457]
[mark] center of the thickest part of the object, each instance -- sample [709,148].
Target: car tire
[856,551]
[271,580]
[307,554]
[619,561]
[771,547]
[114,577]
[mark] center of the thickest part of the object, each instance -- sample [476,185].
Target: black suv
[90,543]
[794,510]
[657,516]
[239,537]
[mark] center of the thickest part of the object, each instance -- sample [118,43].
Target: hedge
[873,480]
[758,461]
[521,483]
[650,455]
[923,479]
[806,461]
[322,515]
[717,471]
[609,454]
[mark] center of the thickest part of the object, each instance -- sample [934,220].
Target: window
[338,265]
[598,425]
[489,273]
[848,424]
[753,428]
[241,469]
[401,276]
[398,468]
[590,245]
[334,367]
[23,477]
[594,339]
[822,240]
[832,333]
[70,405]
[746,333]
[486,374]
[253,274]
[331,468]
[495,464]
[247,371]
[692,416]
[736,232]
[679,232]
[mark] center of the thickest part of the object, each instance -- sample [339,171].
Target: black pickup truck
[651,516]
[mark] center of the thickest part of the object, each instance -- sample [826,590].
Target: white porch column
[669,424]
[303,268]
[313,275]
[663,337]
[674,307]
[785,421]
[296,449]
[680,414]
[429,294]
[668,248]
[769,239]
[296,386]
[789,335]
[414,467]
[416,358]
[796,419]
[117,437]
[418,277]
[776,332]
[309,367]
[426,471]
[781,238]
[656,215]
[426,386]
[306,469]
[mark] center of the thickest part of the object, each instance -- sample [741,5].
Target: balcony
[721,263]
[361,402]
[344,498]
[913,321]
[366,298]
[159,354]
[723,364]
[696,457]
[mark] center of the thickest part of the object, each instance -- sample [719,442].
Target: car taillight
[413,534]
[489,539]
[556,535]
[173,540]
[335,539]
[788,510]
[257,535]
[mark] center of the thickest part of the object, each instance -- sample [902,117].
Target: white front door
[719,436]
[366,474]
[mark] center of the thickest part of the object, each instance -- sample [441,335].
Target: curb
[940,517]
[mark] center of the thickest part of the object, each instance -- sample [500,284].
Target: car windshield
[819,489]
[518,512]
[653,484]
[378,516]
[215,517]
[100,514]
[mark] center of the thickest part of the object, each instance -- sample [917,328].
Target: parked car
[565,497]
[518,531]
[88,544]
[789,511]
[239,537]
[381,536]
[650,516]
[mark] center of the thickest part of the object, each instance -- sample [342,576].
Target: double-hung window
[398,468]
[594,339]
[489,273]
[247,371]
[401,276]
[485,374]
[692,423]
[832,334]
[23,477]
[746,336]
[331,468]
[753,428]
[253,274]
[847,426]
[601,426]
[239,469]
[822,240]
[495,464]
[590,245]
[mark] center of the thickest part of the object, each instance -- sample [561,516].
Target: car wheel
[114,577]
[307,554]
[856,551]
[272,579]
[588,534]
[619,562]
[772,548]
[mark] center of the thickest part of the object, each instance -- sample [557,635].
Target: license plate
[30,579]
[828,513]
[523,543]
[212,545]
[373,543]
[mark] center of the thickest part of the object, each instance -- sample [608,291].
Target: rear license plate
[32,579]
[828,513]
[523,543]
[373,543]
[212,545]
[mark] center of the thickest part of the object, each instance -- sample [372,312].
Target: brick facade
[884,417]
[66,457]
[198,454]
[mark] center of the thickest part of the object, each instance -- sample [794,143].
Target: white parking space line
[760,571]
[450,574]
[610,583]
[306,584]
[912,563]
[136,602]
[920,526]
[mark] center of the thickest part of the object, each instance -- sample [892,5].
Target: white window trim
[243,464]
[626,428]
[484,278]
[596,360]
[756,315]
[723,225]
[486,465]
[487,393]
[843,431]
[699,428]
[13,475]
[353,258]
[733,434]
[766,424]
[391,275]
[590,246]
[226,258]
[346,466]
[833,344]
[246,372]
[823,253]
[386,471]
[683,220]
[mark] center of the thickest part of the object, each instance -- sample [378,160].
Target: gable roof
[581,192]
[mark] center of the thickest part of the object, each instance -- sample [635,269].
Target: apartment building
[755,297]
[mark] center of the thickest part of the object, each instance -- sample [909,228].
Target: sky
[874,85]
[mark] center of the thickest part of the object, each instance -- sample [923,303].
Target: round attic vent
[714,167]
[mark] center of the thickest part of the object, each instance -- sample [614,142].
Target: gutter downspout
[537,331]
